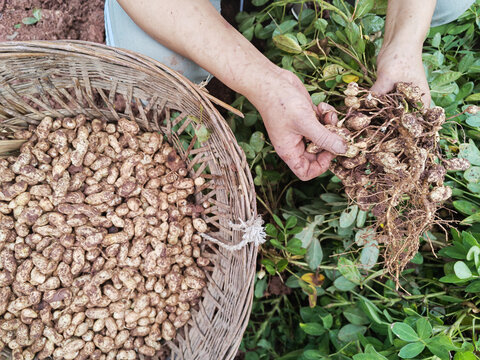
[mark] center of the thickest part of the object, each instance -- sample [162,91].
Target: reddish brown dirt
[276,287]
[61,19]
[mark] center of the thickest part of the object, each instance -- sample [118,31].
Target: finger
[304,165]
[323,138]
[382,87]
[327,114]
[426,97]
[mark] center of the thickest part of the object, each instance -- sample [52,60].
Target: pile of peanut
[99,248]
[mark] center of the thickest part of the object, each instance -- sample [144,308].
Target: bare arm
[194,28]
[400,58]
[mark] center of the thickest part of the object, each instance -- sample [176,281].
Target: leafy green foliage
[336,302]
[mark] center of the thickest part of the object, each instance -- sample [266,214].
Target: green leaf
[361,218]
[348,216]
[466,207]
[461,270]
[203,134]
[404,331]
[248,33]
[436,40]
[472,174]
[278,221]
[465,90]
[29,20]
[327,321]
[320,24]
[282,265]
[473,287]
[364,236]
[371,310]
[445,78]
[251,118]
[350,332]
[251,355]
[472,219]
[411,350]
[468,355]
[318,97]
[257,141]
[457,251]
[380,7]
[372,24]
[287,43]
[312,328]
[260,287]
[473,120]
[285,27]
[348,269]
[441,345]
[363,7]
[470,152]
[291,222]
[17,26]
[473,97]
[417,259]
[369,255]
[314,255]
[342,284]
[37,14]
[249,152]
[313,355]
[302,39]
[306,235]
[271,230]
[424,328]
[451,278]
[370,354]
[356,316]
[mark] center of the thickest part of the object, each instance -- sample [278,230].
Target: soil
[277,287]
[72,19]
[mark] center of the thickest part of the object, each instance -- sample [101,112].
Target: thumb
[324,138]
[382,86]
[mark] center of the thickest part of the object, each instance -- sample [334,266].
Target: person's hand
[290,117]
[397,63]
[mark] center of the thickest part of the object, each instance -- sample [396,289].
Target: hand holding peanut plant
[290,117]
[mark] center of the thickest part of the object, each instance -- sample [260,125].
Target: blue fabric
[448,10]
[122,32]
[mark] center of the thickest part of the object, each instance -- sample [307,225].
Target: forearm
[194,29]
[407,23]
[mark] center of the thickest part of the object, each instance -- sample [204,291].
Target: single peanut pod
[146,350]
[121,337]
[98,325]
[47,350]
[168,330]
[97,313]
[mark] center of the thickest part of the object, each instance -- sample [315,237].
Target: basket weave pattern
[65,79]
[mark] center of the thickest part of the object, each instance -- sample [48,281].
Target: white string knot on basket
[253,232]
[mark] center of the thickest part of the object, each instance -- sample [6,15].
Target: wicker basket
[70,78]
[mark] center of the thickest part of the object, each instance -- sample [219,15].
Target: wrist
[263,85]
[257,79]
[401,48]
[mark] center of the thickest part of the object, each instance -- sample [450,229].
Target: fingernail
[339,147]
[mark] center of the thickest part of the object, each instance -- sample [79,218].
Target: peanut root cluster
[393,166]
[100,254]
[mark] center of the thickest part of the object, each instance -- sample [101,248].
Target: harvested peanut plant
[393,166]
[99,252]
